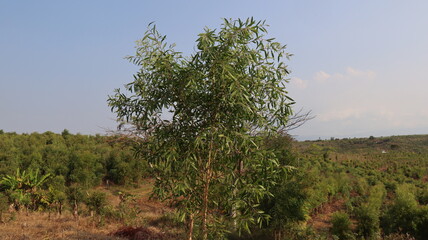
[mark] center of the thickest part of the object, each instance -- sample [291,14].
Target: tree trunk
[206,192]
[191,221]
[75,210]
[60,208]
[205,209]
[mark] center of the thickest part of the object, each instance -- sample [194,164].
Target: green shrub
[97,202]
[288,204]
[55,200]
[288,209]
[402,215]
[367,213]
[422,223]
[341,225]
[368,221]
[423,196]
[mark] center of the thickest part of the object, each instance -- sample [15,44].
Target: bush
[288,204]
[55,199]
[97,202]
[423,196]
[422,223]
[368,213]
[341,225]
[405,215]
[368,221]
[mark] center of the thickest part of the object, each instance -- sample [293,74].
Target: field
[353,170]
[361,188]
[141,218]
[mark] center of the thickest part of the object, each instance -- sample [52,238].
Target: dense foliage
[70,158]
[47,171]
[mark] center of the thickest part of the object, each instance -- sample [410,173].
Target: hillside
[395,156]
[409,144]
[369,179]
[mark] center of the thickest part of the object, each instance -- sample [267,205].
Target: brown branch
[297,120]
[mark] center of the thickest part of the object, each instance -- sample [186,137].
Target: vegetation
[47,172]
[381,185]
[381,195]
[222,159]
[66,160]
[224,99]
[341,225]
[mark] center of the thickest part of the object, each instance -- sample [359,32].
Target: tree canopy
[207,152]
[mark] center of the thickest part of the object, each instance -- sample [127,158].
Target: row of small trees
[376,203]
[52,172]
[71,158]
[29,191]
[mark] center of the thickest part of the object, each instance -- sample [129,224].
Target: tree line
[71,158]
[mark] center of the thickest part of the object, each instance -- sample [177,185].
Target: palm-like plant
[22,187]
[27,181]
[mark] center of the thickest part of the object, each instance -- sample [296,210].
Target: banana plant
[27,181]
[22,187]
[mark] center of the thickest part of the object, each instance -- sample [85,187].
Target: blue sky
[358,65]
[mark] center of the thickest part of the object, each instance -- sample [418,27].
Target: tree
[96,202]
[207,153]
[65,133]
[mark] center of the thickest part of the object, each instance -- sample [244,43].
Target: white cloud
[372,117]
[349,74]
[352,72]
[299,83]
[357,101]
[321,76]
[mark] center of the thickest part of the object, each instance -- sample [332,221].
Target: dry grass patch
[137,218]
[37,225]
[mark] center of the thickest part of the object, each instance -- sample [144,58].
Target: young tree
[222,100]
[341,225]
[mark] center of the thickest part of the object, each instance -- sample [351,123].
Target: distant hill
[409,143]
